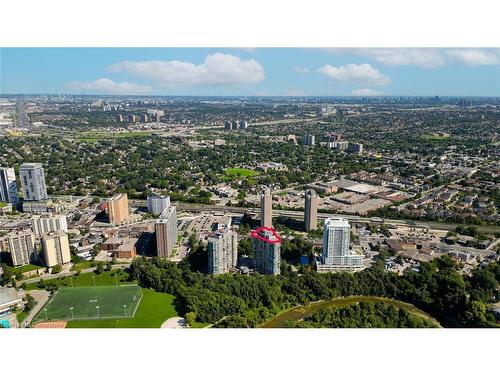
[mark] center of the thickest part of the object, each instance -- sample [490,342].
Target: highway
[299,214]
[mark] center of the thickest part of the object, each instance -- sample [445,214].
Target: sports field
[239,172]
[94,302]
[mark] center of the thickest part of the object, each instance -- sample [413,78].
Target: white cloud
[363,73]
[107,86]
[217,70]
[300,69]
[429,58]
[474,56]
[365,92]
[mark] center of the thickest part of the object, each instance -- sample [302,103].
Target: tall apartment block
[118,209]
[158,203]
[266,245]
[311,210]
[48,223]
[266,208]
[33,181]
[222,249]
[20,245]
[309,140]
[8,187]
[336,255]
[356,148]
[55,247]
[166,232]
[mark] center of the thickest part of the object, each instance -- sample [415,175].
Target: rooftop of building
[266,234]
[59,233]
[337,222]
[117,196]
[8,296]
[30,166]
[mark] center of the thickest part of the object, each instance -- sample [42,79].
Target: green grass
[435,137]
[82,265]
[95,302]
[27,268]
[153,310]
[85,279]
[239,172]
[199,325]
[20,316]
[3,204]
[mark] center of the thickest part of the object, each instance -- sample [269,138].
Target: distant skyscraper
[55,247]
[132,118]
[309,140]
[8,187]
[227,125]
[158,203]
[356,148]
[243,124]
[266,245]
[166,232]
[20,245]
[118,211]
[266,208]
[48,223]
[157,116]
[311,210]
[119,118]
[33,181]
[340,146]
[144,117]
[336,255]
[222,249]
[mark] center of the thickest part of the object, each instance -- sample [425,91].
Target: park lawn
[239,172]
[26,268]
[85,279]
[3,204]
[154,309]
[435,137]
[82,265]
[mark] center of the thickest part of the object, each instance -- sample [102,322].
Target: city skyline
[251,71]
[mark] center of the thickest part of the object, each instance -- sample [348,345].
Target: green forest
[234,300]
[363,315]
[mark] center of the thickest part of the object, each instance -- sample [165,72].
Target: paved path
[175,322]
[50,276]
[41,297]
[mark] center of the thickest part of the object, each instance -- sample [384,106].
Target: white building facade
[336,255]
[158,203]
[48,223]
[222,249]
[8,187]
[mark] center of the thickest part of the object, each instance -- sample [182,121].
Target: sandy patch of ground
[54,324]
[175,322]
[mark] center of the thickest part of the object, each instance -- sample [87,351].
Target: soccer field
[93,302]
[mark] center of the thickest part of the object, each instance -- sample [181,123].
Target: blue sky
[260,71]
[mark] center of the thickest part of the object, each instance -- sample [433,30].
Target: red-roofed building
[266,246]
